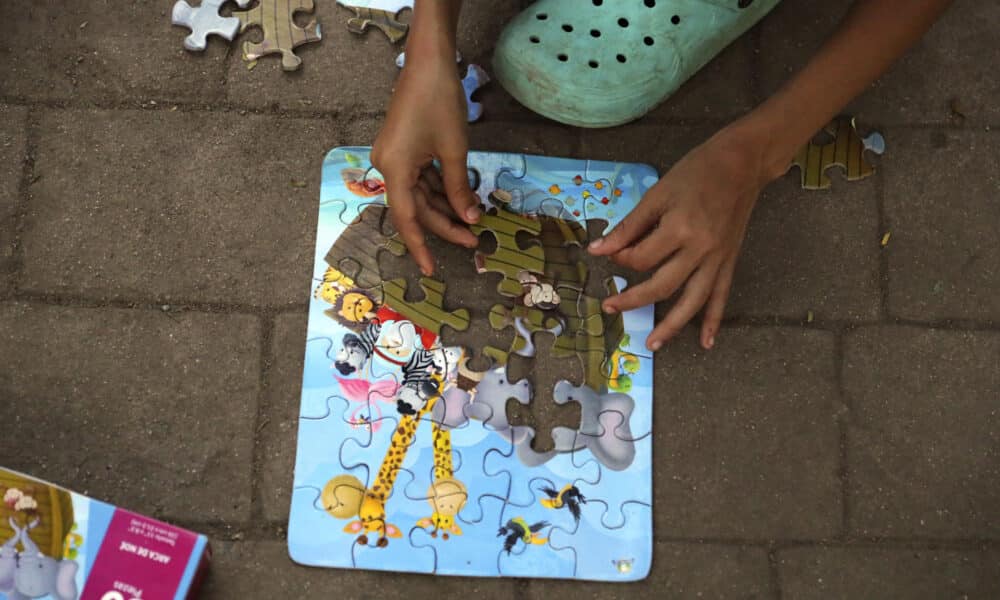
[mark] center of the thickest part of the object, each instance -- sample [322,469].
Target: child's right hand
[427,121]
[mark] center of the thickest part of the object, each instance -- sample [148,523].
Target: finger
[456,187]
[446,228]
[631,228]
[432,177]
[437,201]
[696,292]
[660,285]
[403,212]
[649,251]
[717,304]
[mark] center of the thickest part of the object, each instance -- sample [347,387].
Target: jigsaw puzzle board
[406,460]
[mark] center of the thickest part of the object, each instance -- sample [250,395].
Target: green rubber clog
[598,63]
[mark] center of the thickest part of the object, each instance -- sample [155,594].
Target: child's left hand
[689,227]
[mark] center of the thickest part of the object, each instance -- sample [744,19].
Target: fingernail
[711,342]
[610,309]
[594,245]
[656,345]
[473,213]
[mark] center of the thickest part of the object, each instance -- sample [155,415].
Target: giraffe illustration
[345,496]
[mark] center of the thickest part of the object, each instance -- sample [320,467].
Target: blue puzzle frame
[345,422]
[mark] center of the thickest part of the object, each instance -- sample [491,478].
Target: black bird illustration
[568,497]
[518,529]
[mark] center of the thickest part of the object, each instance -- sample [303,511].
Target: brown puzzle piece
[847,150]
[281,34]
[371,17]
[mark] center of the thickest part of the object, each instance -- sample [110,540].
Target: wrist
[755,143]
[433,31]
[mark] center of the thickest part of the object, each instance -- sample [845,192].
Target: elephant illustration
[38,576]
[8,559]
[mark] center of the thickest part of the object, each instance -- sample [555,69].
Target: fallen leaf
[298,183]
[885,238]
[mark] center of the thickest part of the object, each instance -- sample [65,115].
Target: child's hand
[427,121]
[691,226]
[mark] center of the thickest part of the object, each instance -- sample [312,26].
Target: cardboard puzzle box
[58,544]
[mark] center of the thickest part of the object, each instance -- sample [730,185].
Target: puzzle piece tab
[281,34]
[377,13]
[847,150]
[204,20]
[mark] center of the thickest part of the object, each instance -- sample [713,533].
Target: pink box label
[139,558]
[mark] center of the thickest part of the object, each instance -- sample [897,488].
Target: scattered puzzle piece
[377,13]
[204,20]
[847,150]
[281,34]
[475,78]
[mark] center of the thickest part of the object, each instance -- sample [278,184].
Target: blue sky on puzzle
[616,523]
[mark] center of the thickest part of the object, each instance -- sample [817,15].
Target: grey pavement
[157,223]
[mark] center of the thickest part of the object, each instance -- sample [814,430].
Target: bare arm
[696,216]
[872,35]
[426,121]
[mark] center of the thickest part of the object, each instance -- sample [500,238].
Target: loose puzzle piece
[847,150]
[281,34]
[475,78]
[205,20]
[377,13]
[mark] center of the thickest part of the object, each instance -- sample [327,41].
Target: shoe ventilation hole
[598,2]
[541,16]
[567,27]
[595,33]
[562,57]
[623,22]
[647,40]
[593,64]
[534,39]
[621,58]
[675,19]
[741,3]
[650,3]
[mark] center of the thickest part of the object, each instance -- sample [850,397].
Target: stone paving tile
[150,411]
[924,444]
[13,124]
[216,214]
[489,135]
[811,251]
[550,139]
[679,571]
[102,52]
[747,441]
[941,206]
[277,440]
[264,570]
[878,572]
[954,61]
